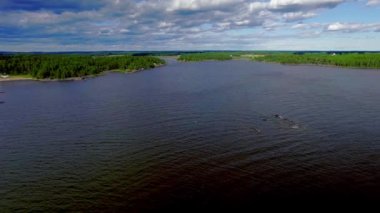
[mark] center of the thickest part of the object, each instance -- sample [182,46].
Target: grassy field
[17,77]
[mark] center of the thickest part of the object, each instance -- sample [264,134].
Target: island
[70,66]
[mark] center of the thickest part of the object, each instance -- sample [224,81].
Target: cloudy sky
[72,25]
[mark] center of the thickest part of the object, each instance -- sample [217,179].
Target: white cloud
[174,23]
[304,26]
[293,5]
[124,30]
[373,2]
[198,4]
[338,26]
[352,27]
[301,5]
[293,16]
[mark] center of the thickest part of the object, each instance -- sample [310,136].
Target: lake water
[202,134]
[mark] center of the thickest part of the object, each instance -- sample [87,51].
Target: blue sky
[91,25]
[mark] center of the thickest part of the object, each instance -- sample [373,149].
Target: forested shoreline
[218,56]
[69,66]
[354,60]
[366,60]
[64,66]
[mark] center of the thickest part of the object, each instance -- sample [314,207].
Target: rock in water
[256,130]
[295,126]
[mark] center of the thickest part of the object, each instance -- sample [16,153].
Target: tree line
[66,66]
[365,60]
[218,56]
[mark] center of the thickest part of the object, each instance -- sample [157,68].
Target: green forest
[218,56]
[67,66]
[343,59]
[358,60]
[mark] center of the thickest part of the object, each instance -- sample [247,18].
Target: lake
[199,134]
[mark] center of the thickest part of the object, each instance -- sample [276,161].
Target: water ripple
[197,134]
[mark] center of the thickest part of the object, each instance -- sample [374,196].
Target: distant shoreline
[348,60]
[18,78]
[285,64]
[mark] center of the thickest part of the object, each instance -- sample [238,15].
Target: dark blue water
[190,135]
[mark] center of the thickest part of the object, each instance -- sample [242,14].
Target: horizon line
[205,50]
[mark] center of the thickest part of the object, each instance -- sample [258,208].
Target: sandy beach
[15,78]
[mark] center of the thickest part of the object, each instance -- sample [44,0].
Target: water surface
[198,134]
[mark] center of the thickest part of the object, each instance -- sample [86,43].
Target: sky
[135,25]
